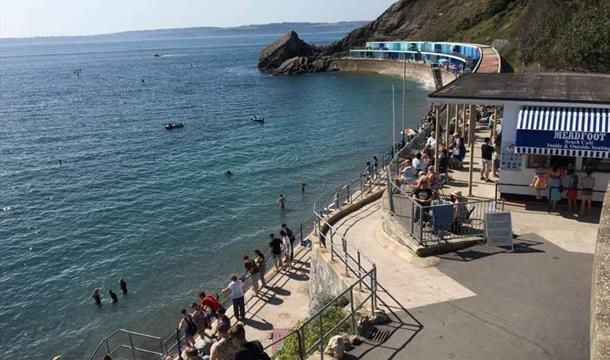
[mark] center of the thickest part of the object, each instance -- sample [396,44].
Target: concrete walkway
[479,303]
[280,305]
[484,302]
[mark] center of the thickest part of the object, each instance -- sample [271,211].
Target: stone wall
[327,279]
[600,288]
[414,71]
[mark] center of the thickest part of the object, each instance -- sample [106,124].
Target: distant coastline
[203,31]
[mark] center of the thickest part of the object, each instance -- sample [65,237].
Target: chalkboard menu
[498,229]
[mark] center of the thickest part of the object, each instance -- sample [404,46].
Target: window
[596,165]
[538,161]
[547,162]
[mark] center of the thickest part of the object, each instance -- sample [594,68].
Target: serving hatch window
[596,165]
[549,161]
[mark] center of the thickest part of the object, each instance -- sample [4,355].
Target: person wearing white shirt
[417,162]
[409,173]
[287,246]
[431,141]
[236,287]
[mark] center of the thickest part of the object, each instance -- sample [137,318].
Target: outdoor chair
[442,218]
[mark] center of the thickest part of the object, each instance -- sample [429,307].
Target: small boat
[258,119]
[171,126]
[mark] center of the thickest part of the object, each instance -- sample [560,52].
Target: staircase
[438,78]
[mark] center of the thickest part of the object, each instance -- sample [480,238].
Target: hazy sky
[19,18]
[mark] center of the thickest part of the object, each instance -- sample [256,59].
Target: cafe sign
[564,140]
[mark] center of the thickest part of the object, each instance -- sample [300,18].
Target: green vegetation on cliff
[532,35]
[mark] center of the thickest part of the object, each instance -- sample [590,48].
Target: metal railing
[312,334]
[125,344]
[443,220]
[173,342]
[434,223]
[354,190]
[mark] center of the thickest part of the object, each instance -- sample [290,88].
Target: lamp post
[404,75]
[393,121]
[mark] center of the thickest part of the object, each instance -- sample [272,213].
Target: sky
[26,18]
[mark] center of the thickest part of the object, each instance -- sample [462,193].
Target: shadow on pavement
[396,335]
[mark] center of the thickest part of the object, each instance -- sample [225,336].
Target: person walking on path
[123,286]
[188,327]
[588,184]
[282,202]
[262,266]
[246,350]
[292,238]
[236,287]
[252,269]
[487,154]
[369,171]
[376,166]
[275,247]
[287,250]
[97,296]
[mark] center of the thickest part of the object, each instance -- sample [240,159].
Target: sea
[94,189]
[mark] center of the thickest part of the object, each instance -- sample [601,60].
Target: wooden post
[471,137]
[437,128]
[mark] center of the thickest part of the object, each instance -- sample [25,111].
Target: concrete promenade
[485,302]
[477,303]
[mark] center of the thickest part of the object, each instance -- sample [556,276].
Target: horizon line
[182,28]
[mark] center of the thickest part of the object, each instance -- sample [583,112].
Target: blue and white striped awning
[564,131]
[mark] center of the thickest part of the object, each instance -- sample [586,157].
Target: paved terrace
[484,302]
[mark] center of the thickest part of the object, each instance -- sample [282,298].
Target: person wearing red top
[209,301]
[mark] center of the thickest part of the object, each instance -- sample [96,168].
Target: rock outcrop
[290,55]
[551,34]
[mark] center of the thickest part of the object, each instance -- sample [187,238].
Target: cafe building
[545,120]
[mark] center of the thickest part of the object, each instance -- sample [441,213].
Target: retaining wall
[413,71]
[327,279]
[600,288]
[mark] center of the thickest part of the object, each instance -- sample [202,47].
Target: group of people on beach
[97,294]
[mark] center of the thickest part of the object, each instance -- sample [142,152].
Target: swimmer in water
[282,202]
[97,297]
[115,299]
[123,286]
[228,173]
[303,188]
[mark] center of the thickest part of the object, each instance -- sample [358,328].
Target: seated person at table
[422,196]
[409,173]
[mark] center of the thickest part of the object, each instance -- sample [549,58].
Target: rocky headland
[542,35]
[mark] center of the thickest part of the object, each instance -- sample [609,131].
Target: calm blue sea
[153,206]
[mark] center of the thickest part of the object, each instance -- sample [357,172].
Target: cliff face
[531,35]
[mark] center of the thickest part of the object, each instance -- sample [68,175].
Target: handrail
[361,273]
[105,341]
